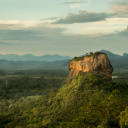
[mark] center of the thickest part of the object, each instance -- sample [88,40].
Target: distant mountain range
[24,62]
[30,57]
[28,65]
[117,61]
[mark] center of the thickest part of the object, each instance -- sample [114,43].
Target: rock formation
[96,63]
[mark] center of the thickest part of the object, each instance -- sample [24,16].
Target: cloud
[82,17]
[76,4]
[120,8]
[50,18]
[37,33]
[49,38]
[124,32]
[18,35]
[16,24]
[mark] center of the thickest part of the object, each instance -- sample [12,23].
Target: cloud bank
[43,39]
[82,17]
[120,8]
[124,32]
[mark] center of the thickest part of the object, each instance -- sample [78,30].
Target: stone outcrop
[97,63]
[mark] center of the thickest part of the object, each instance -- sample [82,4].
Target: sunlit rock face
[97,64]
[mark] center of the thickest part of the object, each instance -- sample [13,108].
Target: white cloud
[105,27]
[77,4]
[79,38]
[16,24]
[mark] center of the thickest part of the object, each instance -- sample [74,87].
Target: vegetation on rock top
[88,55]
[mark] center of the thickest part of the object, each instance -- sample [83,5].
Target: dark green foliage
[2,72]
[97,53]
[88,55]
[30,83]
[94,54]
[27,86]
[77,58]
[124,118]
[44,73]
[89,101]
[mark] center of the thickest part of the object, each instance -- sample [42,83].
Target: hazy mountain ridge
[30,57]
[23,65]
[117,61]
[55,61]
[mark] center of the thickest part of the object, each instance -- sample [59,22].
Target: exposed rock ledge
[97,63]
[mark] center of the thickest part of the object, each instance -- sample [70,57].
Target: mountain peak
[125,55]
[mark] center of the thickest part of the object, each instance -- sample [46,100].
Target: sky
[66,27]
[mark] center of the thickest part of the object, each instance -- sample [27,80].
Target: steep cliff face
[95,63]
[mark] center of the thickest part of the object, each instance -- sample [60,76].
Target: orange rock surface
[97,64]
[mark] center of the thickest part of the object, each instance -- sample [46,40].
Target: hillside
[89,100]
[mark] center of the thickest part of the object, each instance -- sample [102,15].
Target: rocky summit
[96,63]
